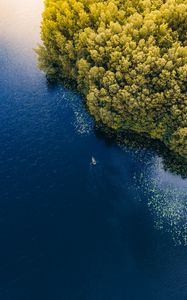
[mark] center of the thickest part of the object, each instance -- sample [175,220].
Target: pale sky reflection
[14,20]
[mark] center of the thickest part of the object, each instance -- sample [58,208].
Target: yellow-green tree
[128,58]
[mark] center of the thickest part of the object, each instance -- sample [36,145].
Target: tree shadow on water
[133,141]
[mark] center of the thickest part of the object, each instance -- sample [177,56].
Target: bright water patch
[82,121]
[164,193]
[166,200]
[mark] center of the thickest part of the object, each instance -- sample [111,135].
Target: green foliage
[128,58]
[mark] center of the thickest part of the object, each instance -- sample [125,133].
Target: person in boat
[93,161]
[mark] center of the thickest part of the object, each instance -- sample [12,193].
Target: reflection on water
[166,198]
[160,181]
[82,122]
[20,20]
[139,145]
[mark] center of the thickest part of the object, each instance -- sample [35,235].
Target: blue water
[69,230]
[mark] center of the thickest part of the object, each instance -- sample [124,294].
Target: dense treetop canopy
[128,58]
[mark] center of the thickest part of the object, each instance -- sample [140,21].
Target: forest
[128,59]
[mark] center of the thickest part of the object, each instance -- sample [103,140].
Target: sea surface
[70,230]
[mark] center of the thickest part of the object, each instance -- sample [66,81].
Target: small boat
[93,161]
